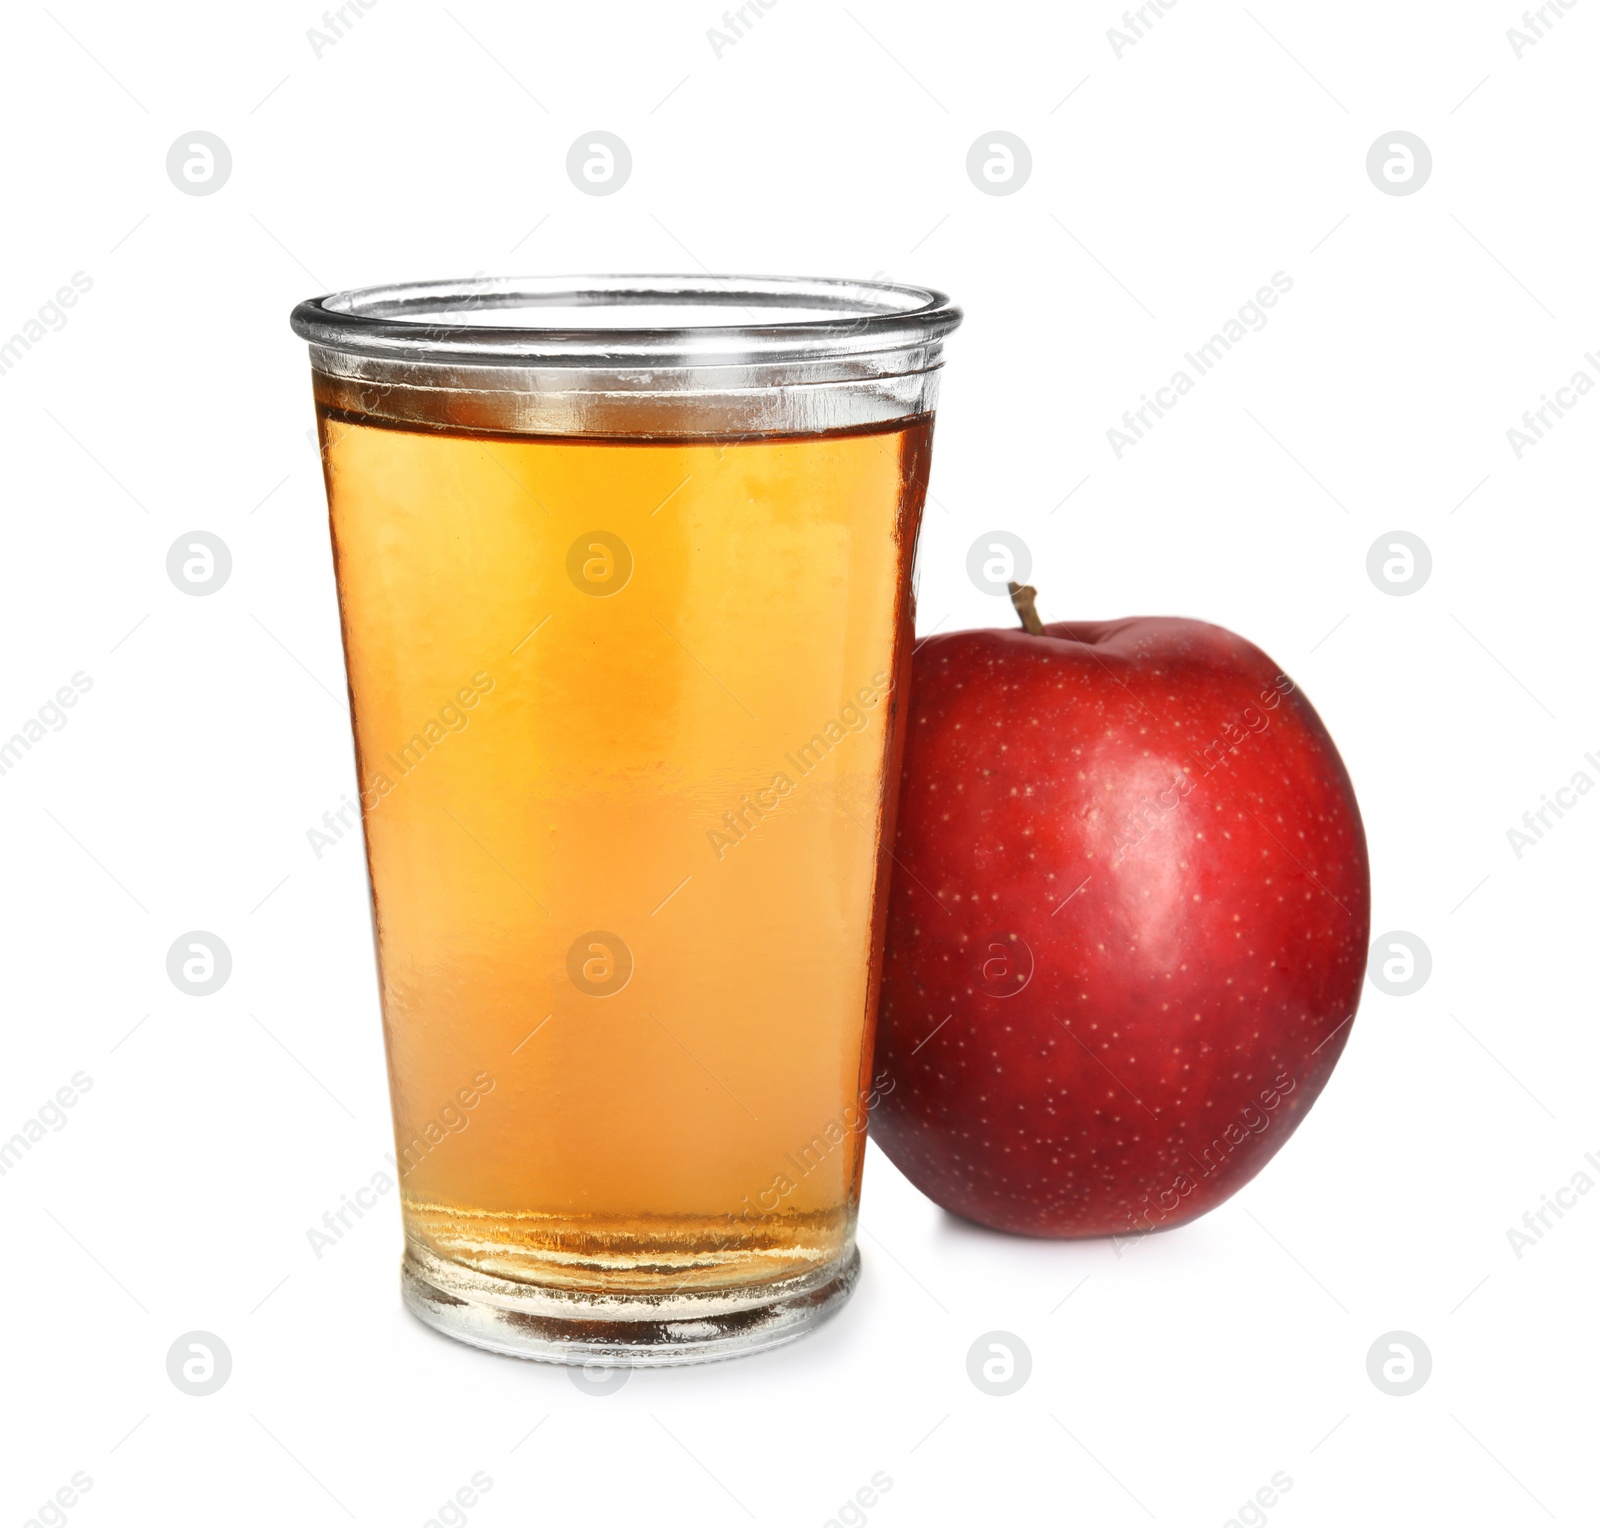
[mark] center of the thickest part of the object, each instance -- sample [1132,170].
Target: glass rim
[408,322]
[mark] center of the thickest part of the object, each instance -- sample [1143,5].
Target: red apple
[1127,928]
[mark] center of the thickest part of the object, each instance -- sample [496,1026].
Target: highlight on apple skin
[1127,928]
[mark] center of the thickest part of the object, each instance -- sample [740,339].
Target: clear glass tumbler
[624,570]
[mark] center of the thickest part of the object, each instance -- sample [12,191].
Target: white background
[1169,1383]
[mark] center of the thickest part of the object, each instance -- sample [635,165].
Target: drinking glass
[624,571]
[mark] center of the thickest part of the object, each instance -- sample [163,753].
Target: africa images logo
[853,716]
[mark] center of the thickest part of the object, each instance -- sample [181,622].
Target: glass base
[630,1331]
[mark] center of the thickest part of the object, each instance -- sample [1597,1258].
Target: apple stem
[1022,598]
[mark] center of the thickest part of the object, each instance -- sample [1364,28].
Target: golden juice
[626,719]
